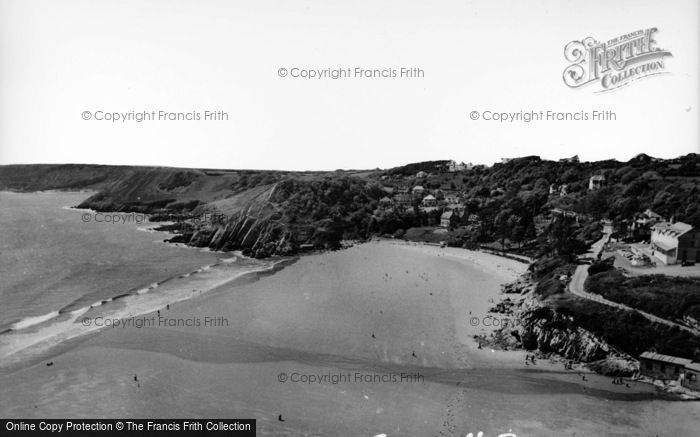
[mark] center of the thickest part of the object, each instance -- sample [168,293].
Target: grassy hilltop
[506,203]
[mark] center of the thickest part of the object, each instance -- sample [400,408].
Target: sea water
[59,267]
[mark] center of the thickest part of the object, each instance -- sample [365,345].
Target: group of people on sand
[619,381]
[530,358]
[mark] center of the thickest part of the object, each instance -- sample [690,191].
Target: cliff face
[259,213]
[553,334]
[247,220]
[258,237]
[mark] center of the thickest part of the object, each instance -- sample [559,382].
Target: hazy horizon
[317,170]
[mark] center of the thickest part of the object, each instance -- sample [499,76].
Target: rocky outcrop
[541,328]
[258,237]
[552,332]
[522,285]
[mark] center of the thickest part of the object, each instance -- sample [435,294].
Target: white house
[453,166]
[596,181]
[429,201]
[666,238]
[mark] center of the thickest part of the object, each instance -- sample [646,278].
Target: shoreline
[55,328]
[373,309]
[43,332]
[551,361]
[508,359]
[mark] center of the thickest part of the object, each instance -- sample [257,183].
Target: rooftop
[693,366]
[665,358]
[675,229]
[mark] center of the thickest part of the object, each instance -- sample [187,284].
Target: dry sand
[361,312]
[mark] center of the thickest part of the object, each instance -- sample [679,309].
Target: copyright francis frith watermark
[614,63]
[334,378]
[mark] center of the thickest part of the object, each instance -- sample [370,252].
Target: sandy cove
[381,308]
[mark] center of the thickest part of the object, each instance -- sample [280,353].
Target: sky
[66,65]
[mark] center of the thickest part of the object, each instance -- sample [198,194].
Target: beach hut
[691,377]
[661,366]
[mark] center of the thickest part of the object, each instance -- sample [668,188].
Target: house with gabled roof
[675,242]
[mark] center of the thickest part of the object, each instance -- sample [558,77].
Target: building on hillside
[561,190]
[640,228]
[564,213]
[448,220]
[458,209]
[453,199]
[421,175]
[691,376]
[596,182]
[651,215]
[386,202]
[403,199]
[429,201]
[453,166]
[418,191]
[573,159]
[648,217]
[660,366]
[675,242]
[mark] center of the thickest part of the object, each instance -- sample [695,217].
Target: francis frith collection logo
[614,63]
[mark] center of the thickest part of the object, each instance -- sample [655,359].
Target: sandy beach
[374,339]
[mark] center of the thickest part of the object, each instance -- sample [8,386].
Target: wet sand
[378,310]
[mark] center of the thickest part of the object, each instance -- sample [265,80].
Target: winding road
[576,286]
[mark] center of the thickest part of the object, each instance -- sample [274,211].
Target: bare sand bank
[345,320]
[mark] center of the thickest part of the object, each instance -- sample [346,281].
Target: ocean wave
[51,329]
[35,320]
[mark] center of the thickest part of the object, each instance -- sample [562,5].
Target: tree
[562,239]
